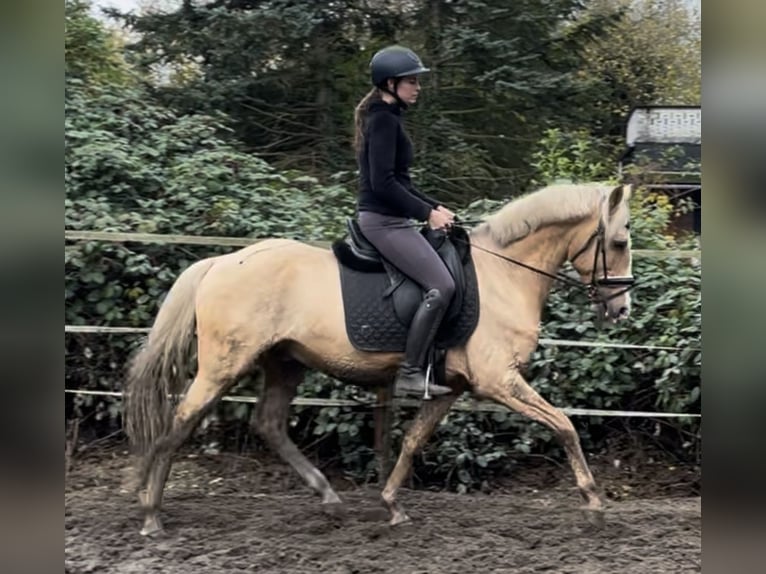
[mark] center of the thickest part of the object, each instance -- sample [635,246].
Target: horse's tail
[160,368]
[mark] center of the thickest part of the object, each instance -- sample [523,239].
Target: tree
[284,71]
[290,73]
[651,55]
[502,73]
[92,53]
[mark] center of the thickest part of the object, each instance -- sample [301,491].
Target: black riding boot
[411,377]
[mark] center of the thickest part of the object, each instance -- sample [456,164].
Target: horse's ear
[617,196]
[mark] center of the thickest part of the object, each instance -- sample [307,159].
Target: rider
[388,199]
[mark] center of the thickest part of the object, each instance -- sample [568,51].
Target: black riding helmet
[394,62]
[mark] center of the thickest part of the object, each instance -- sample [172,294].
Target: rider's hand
[447,211]
[439,219]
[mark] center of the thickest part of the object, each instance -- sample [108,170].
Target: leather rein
[596,281]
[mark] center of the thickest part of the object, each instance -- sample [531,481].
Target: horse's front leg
[426,420]
[514,392]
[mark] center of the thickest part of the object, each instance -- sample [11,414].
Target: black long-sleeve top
[384,162]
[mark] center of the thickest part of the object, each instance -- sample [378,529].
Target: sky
[121,4]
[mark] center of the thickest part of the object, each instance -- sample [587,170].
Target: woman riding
[388,200]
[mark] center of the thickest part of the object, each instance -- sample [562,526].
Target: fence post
[383,423]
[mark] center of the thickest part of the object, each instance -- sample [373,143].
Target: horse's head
[602,258]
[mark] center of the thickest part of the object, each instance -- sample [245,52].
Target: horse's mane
[551,204]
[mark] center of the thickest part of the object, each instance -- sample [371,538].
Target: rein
[595,282]
[591,288]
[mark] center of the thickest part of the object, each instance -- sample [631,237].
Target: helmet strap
[384,87]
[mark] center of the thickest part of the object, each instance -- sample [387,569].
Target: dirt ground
[228,513]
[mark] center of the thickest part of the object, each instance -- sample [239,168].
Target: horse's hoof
[152,528]
[595,517]
[399,519]
[331,498]
[334,509]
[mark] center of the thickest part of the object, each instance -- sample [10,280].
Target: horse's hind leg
[515,393]
[426,420]
[200,397]
[281,380]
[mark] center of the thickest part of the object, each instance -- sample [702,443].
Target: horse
[277,306]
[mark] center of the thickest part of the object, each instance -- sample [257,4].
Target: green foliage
[346,433]
[133,165]
[577,157]
[92,53]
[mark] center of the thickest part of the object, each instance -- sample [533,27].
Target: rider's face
[408,89]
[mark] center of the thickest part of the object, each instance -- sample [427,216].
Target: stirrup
[429,376]
[414,381]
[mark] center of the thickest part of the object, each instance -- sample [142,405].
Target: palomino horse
[276,305]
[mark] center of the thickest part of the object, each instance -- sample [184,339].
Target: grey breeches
[407,250]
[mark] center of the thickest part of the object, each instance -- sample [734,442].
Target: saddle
[379,301]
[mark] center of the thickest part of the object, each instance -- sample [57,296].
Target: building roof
[665,143]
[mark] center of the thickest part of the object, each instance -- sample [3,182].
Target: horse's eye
[620,244]
[627,225]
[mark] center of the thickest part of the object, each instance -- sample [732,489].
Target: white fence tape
[549,342]
[119,237]
[471,405]
[96,329]
[463,405]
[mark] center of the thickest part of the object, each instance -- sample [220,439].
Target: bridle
[626,281]
[596,281]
